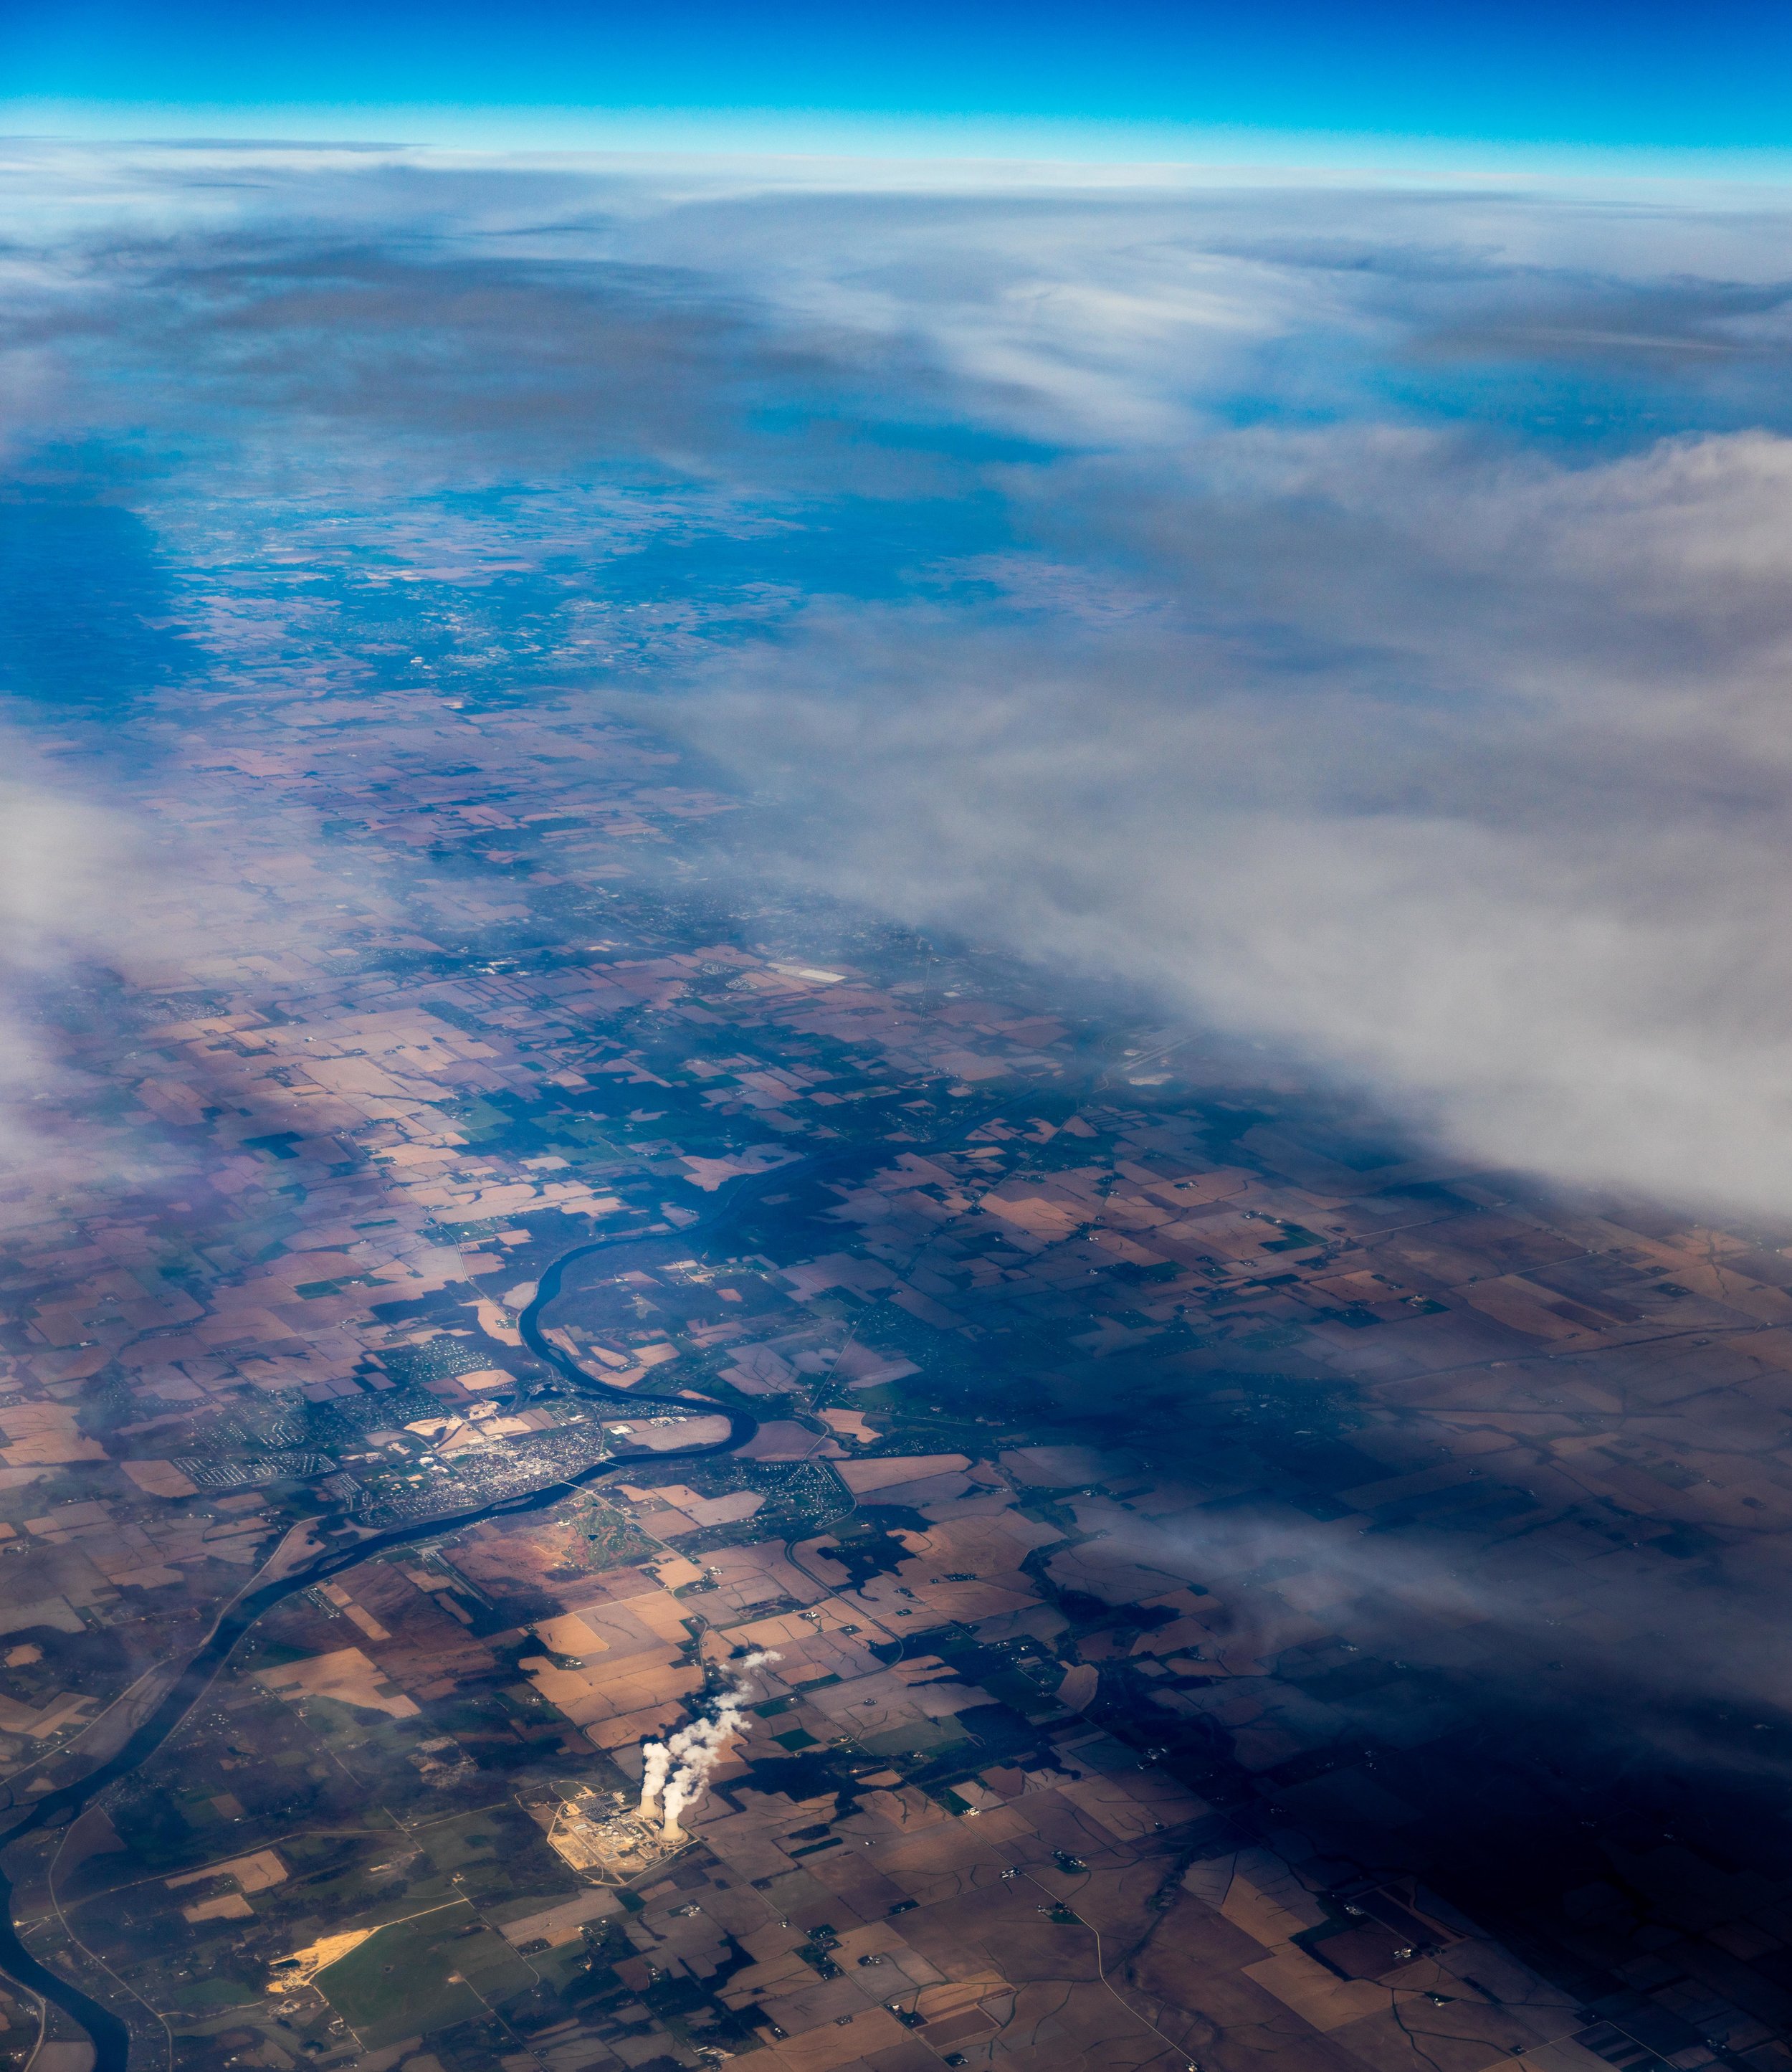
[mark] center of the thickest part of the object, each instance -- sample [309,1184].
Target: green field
[420,1974]
[467,1839]
[927,1737]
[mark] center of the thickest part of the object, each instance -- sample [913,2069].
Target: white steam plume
[680,1793]
[698,1748]
[655,1762]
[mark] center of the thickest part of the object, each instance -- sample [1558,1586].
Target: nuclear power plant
[612,1839]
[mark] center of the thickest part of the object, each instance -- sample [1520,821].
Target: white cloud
[1327,689]
[1468,779]
[63,873]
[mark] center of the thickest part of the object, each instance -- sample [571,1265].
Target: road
[56,1809]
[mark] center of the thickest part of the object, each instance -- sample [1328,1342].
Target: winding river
[57,1809]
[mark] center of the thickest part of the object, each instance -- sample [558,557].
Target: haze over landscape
[893,1080]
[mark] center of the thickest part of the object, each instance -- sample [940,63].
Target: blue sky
[1145,77]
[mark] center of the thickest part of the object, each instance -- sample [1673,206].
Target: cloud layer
[1359,614]
[1466,777]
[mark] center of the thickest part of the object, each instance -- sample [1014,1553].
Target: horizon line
[812,138]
